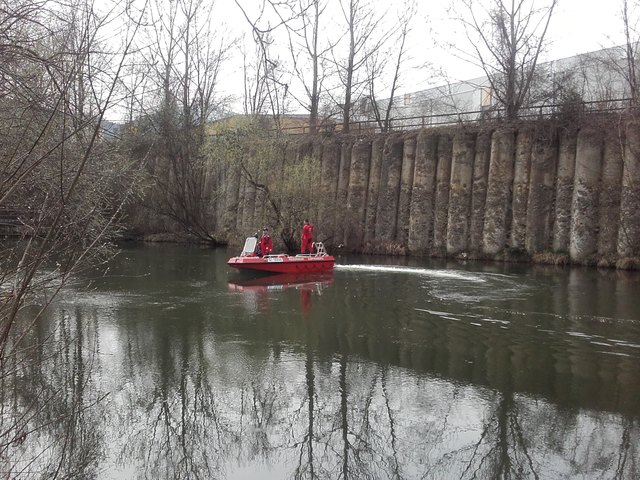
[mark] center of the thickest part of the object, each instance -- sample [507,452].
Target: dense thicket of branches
[281,174]
[62,181]
[507,38]
[179,64]
[329,60]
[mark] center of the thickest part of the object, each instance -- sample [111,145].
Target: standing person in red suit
[266,245]
[306,243]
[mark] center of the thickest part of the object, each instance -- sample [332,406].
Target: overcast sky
[578,26]
[585,25]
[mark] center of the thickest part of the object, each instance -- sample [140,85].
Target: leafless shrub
[628,263]
[62,179]
[550,258]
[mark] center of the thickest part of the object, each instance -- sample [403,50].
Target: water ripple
[413,271]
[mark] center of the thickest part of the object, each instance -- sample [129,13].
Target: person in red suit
[266,245]
[306,242]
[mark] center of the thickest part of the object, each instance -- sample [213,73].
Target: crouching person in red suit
[266,245]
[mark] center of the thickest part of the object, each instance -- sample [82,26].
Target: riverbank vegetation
[63,185]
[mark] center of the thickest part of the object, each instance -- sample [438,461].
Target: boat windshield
[249,246]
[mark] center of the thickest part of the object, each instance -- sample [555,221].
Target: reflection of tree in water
[48,398]
[193,407]
[501,451]
[345,418]
[366,430]
[200,416]
[306,460]
[180,428]
[352,433]
[523,439]
[259,415]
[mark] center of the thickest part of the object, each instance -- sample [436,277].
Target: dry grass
[385,248]
[628,263]
[606,263]
[550,258]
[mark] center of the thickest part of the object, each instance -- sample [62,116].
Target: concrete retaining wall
[497,194]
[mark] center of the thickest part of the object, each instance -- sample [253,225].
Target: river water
[172,366]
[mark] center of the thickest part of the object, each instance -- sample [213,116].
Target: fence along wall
[507,193]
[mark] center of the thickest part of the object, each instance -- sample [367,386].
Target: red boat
[319,261]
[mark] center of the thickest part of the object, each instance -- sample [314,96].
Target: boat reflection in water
[258,290]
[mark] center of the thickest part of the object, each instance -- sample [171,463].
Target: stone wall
[535,191]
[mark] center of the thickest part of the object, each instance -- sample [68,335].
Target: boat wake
[425,272]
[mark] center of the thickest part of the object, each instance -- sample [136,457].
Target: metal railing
[475,116]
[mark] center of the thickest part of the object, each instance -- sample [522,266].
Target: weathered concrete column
[479,190]
[463,155]
[423,194]
[609,214]
[629,233]
[564,190]
[291,163]
[219,178]
[357,195]
[329,186]
[305,149]
[344,170]
[497,219]
[584,210]
[316,154]
[303,159]
[249,198]
[406,185]
[377,148]
[259,201]
[232,193]
[389,189]
[344,173]
[443,184]
[242,224]
[272,167]
[521,169]
[541,190]
[269,158]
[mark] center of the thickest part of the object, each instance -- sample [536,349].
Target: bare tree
[256,87]
[308,49]
[185,55]
[365,35]
[53,108]
[271,82]
[630,73]
[507,38]
[61,178]
[302,22]
[377,63]
[611,74]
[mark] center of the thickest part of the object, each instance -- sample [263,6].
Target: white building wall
[594,77]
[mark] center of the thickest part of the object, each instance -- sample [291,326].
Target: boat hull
[284,263]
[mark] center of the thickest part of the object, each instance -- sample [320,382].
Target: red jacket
[307,231]
[266,245]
